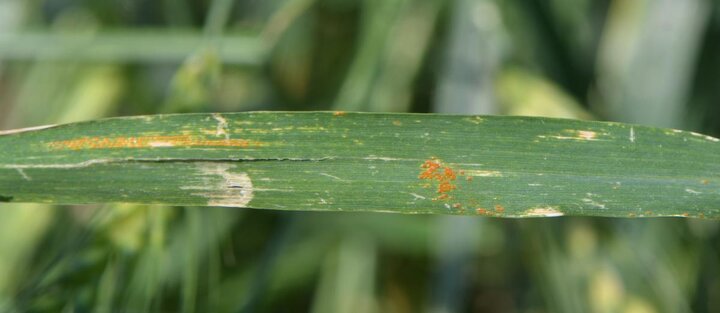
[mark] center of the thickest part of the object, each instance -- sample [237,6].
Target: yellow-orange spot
[481,211]
[449,174]
[397,123]
[705,181]
[339,113]
[586,134]
[499,208]
[457,205]
[430,166]
[686,214]
[445,187]
[149,142]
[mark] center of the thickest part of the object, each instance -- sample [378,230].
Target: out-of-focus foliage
[645,61]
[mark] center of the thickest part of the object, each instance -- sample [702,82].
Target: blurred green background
[653,62]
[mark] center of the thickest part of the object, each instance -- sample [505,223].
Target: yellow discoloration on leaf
[149,142]
[586,134]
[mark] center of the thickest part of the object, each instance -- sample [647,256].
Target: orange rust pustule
[481,211]
[499,208]
[444,175]
[446,187]
[149,142]
[449,174]
[431,167]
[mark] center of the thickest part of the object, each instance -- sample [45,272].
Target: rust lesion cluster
[446,180]
[499,211]
[149,142]
[435,171]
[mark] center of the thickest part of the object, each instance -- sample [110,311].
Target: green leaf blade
[403,163]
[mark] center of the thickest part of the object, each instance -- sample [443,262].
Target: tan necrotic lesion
[150,142]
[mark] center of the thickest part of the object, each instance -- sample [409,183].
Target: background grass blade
[128,46]
[403,163]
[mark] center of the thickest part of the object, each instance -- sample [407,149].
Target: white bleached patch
[544,212]
[222,126]
[221,186]
[379,158]
[22,130]
[479,173]
[708,138]
[23,174]
[160,144]
[594,203]
[332,176]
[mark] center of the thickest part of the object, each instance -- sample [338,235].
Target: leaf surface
[403,163]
